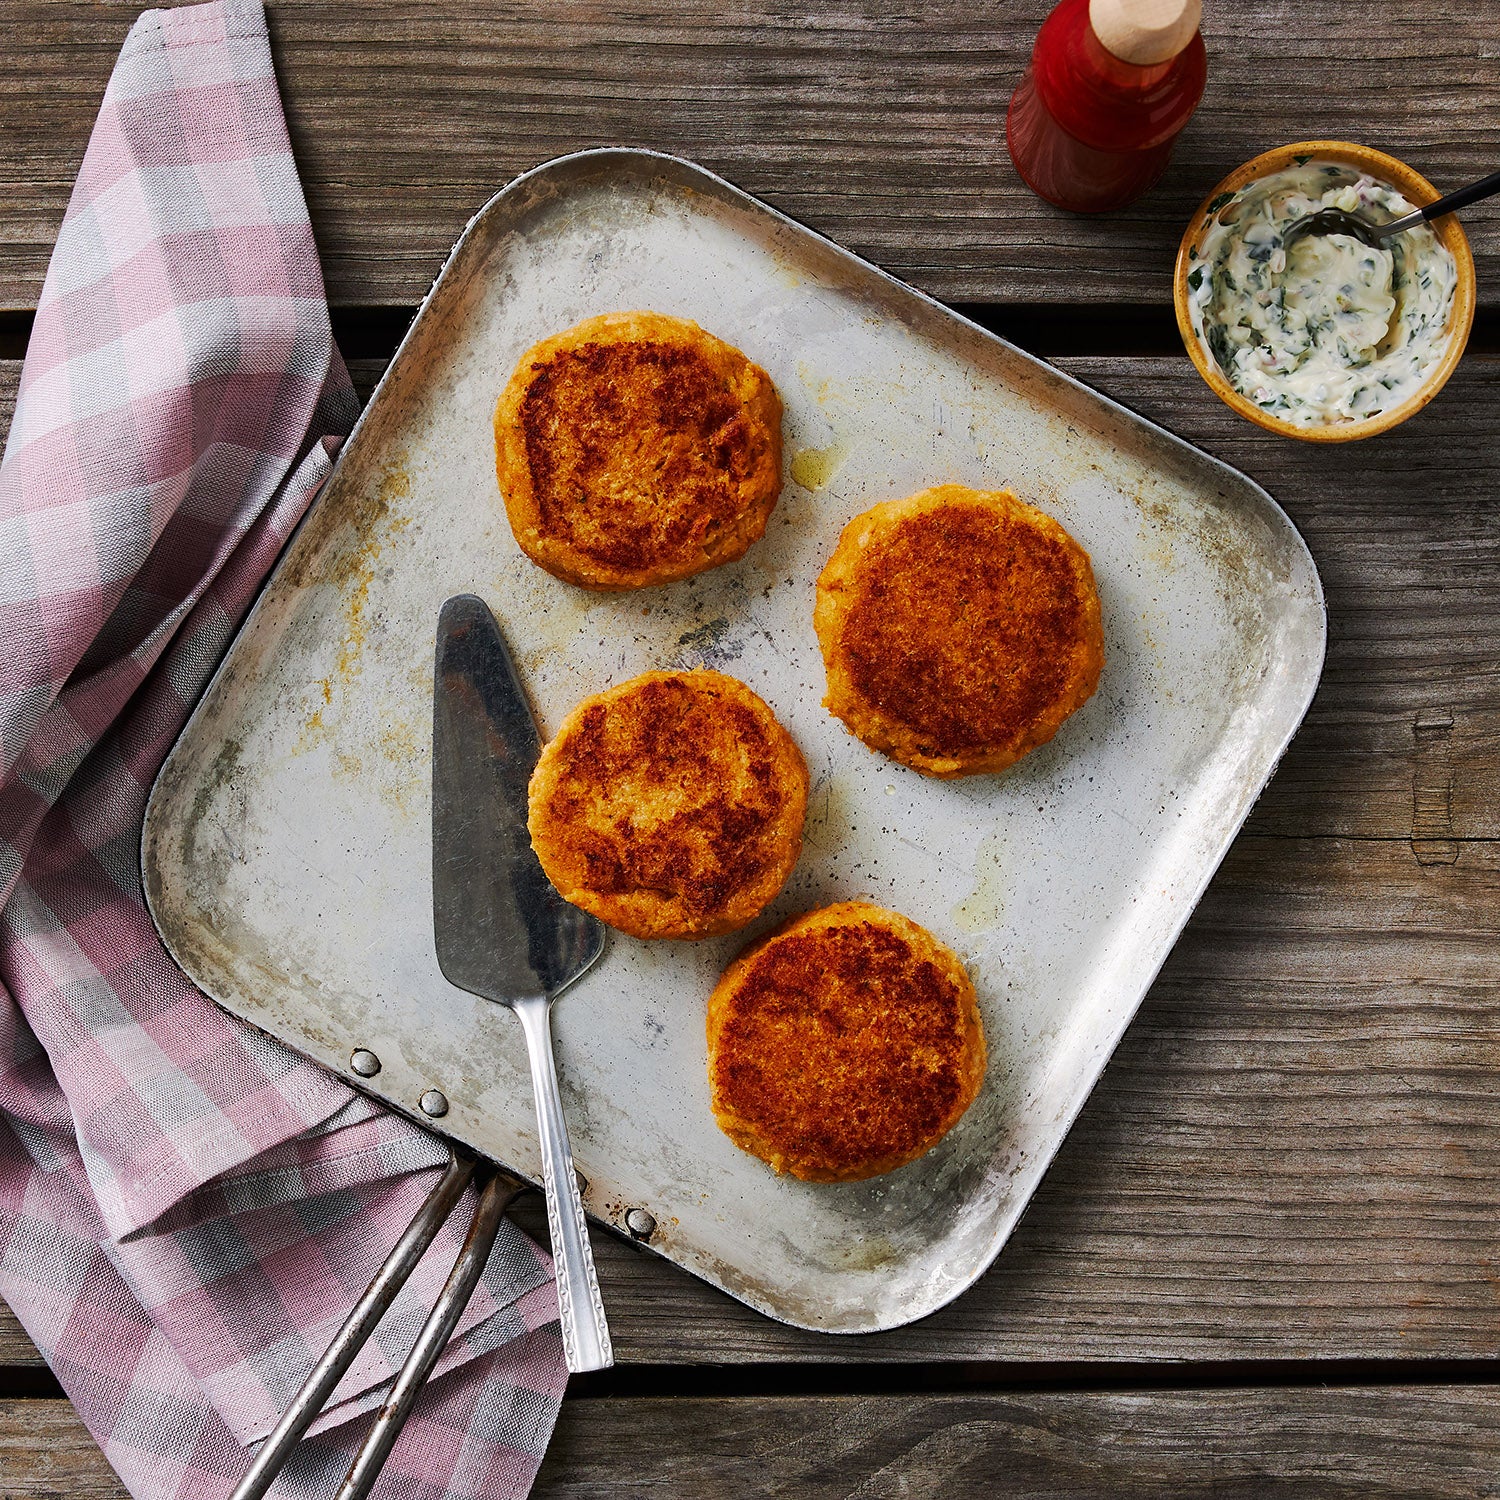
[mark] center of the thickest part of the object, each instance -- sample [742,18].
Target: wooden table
[1267,1261]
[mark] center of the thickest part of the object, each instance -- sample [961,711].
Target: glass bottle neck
[1103,101]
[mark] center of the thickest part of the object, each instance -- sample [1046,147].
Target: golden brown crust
[635,449]
[959,629]
[844,1044]
[670,806]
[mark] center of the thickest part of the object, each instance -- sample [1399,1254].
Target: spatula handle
[580,1307]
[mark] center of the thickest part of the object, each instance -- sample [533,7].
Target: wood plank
[1295,1152]
[1403,740]
[16,1349]
[1232,1445]
[882,126]
[1403,531]
[46,1453]
[1381,1444]
[1293,1155]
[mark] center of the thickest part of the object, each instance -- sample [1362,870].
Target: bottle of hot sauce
[1110,87]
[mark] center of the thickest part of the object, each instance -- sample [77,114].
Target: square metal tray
[287,847]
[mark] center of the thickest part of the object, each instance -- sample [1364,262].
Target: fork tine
[356,1328]
[433,1338]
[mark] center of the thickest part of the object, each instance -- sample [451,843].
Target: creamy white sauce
[1330,330]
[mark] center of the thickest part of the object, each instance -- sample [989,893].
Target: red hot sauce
[1110,87]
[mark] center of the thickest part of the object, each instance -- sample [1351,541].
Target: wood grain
[879,124]
[1404,533]
[1302,1444]
[16,1350]
[46,1453]
[1231,1445]
[1295,1153]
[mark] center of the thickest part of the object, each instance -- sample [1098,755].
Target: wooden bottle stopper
[1145,32]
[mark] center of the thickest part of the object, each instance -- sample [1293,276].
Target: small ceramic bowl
[1416,189]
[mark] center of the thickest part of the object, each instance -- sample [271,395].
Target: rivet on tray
[640,1224]
[434,1102]
[364,1062]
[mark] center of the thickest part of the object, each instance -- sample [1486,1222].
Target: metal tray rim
[1005,1226]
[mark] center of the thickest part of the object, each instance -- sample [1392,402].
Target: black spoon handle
[1484,188]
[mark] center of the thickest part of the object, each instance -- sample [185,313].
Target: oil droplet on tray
[812,468]
[981,909]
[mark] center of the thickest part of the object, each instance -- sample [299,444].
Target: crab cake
[844,1044]
[635,449]
[959,628]
[670,806]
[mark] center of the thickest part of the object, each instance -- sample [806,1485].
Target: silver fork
[497,1189]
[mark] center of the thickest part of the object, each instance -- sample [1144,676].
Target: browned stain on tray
[376,518]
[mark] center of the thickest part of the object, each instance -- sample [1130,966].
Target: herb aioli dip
[1331,330]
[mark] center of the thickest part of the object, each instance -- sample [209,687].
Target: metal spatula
[502,931]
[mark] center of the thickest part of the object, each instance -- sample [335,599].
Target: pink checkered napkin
[187,1210]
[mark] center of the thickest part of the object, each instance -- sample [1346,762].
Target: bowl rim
[1416,189]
